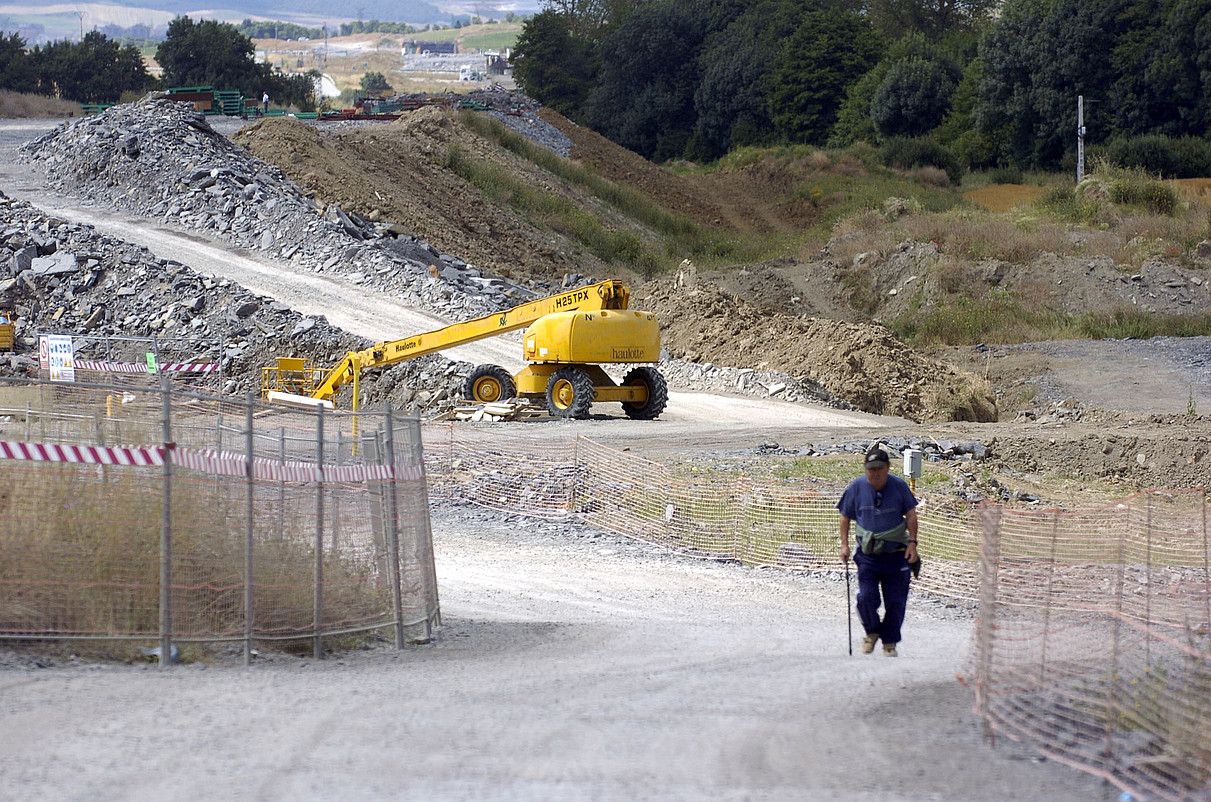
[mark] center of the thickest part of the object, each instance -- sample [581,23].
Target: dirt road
[572,666]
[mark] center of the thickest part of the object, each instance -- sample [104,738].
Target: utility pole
[1080,138]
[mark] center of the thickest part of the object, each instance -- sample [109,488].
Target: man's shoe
[868,643]
[889,649]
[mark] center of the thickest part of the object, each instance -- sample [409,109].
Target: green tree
[854,122]
[1178,75]
[553,65]
[912,99]
[16,71]
[974,148]
[94,70]
[1039,56]
[827,52]
[735,66]
[644,96]
[375,83]
[893,18]
[210,53]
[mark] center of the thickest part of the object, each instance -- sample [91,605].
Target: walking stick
[849,615]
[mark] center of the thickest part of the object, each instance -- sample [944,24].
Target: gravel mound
[58,276]
[863,365]
[160,159]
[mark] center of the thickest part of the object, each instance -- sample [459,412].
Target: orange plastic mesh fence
[1093,641]
[82,542]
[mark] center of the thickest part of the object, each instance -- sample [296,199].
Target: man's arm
[910,520]
[845,538]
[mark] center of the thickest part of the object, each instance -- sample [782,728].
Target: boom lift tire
[570,393]
[488,384]
[658,393]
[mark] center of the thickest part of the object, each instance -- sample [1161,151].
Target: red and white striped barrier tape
[228,464]
[203,461]
[111,367]
[90,455]
[141,368]
[190,367]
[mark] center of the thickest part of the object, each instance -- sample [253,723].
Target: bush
[1005,175]
[1184,157]
[1155,196]
[921,152]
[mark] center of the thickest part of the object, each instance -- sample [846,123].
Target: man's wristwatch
[913,541]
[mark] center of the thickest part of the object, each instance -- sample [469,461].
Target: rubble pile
[709,378]
[861,364]
[160,159]
[58,276]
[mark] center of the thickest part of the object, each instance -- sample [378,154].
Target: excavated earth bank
[861,364]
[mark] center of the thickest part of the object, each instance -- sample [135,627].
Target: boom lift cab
[568,337]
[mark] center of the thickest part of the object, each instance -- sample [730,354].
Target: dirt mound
[400,172]
[865,365]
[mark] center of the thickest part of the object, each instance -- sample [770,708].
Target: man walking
[264,103]
[885,513]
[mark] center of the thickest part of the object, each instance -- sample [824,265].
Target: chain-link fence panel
[227,519]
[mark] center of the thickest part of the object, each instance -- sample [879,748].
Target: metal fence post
[397,592]
[282,484]
[166,531]
[334,546]
[317,643]
[248,457]
[427,566]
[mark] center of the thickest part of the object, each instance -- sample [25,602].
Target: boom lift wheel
[658,393]
[489,383]
[570,393]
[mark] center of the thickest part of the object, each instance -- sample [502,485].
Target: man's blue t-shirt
[877,511]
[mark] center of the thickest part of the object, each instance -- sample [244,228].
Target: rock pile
[58,276]
[160,159]
[708,378]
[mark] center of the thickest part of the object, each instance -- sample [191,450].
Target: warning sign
[61,357]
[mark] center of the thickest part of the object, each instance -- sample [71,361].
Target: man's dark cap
[877,457]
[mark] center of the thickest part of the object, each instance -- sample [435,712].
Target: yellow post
[109,406]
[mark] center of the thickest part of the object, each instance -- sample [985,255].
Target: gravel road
[1159,375]
[572,666]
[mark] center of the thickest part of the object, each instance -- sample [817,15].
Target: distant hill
[387,10]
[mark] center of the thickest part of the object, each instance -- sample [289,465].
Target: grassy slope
[758,205]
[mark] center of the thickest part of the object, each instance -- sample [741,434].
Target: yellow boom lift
[568,337]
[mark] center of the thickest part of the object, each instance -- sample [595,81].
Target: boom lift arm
[609,295]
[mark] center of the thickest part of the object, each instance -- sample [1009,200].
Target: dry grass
[1003,197]
[81,548]
[930,177]
[21,105]
[1195,190]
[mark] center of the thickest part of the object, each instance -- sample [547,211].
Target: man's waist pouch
[891,540]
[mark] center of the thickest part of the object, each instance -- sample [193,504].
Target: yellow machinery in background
[569,336]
